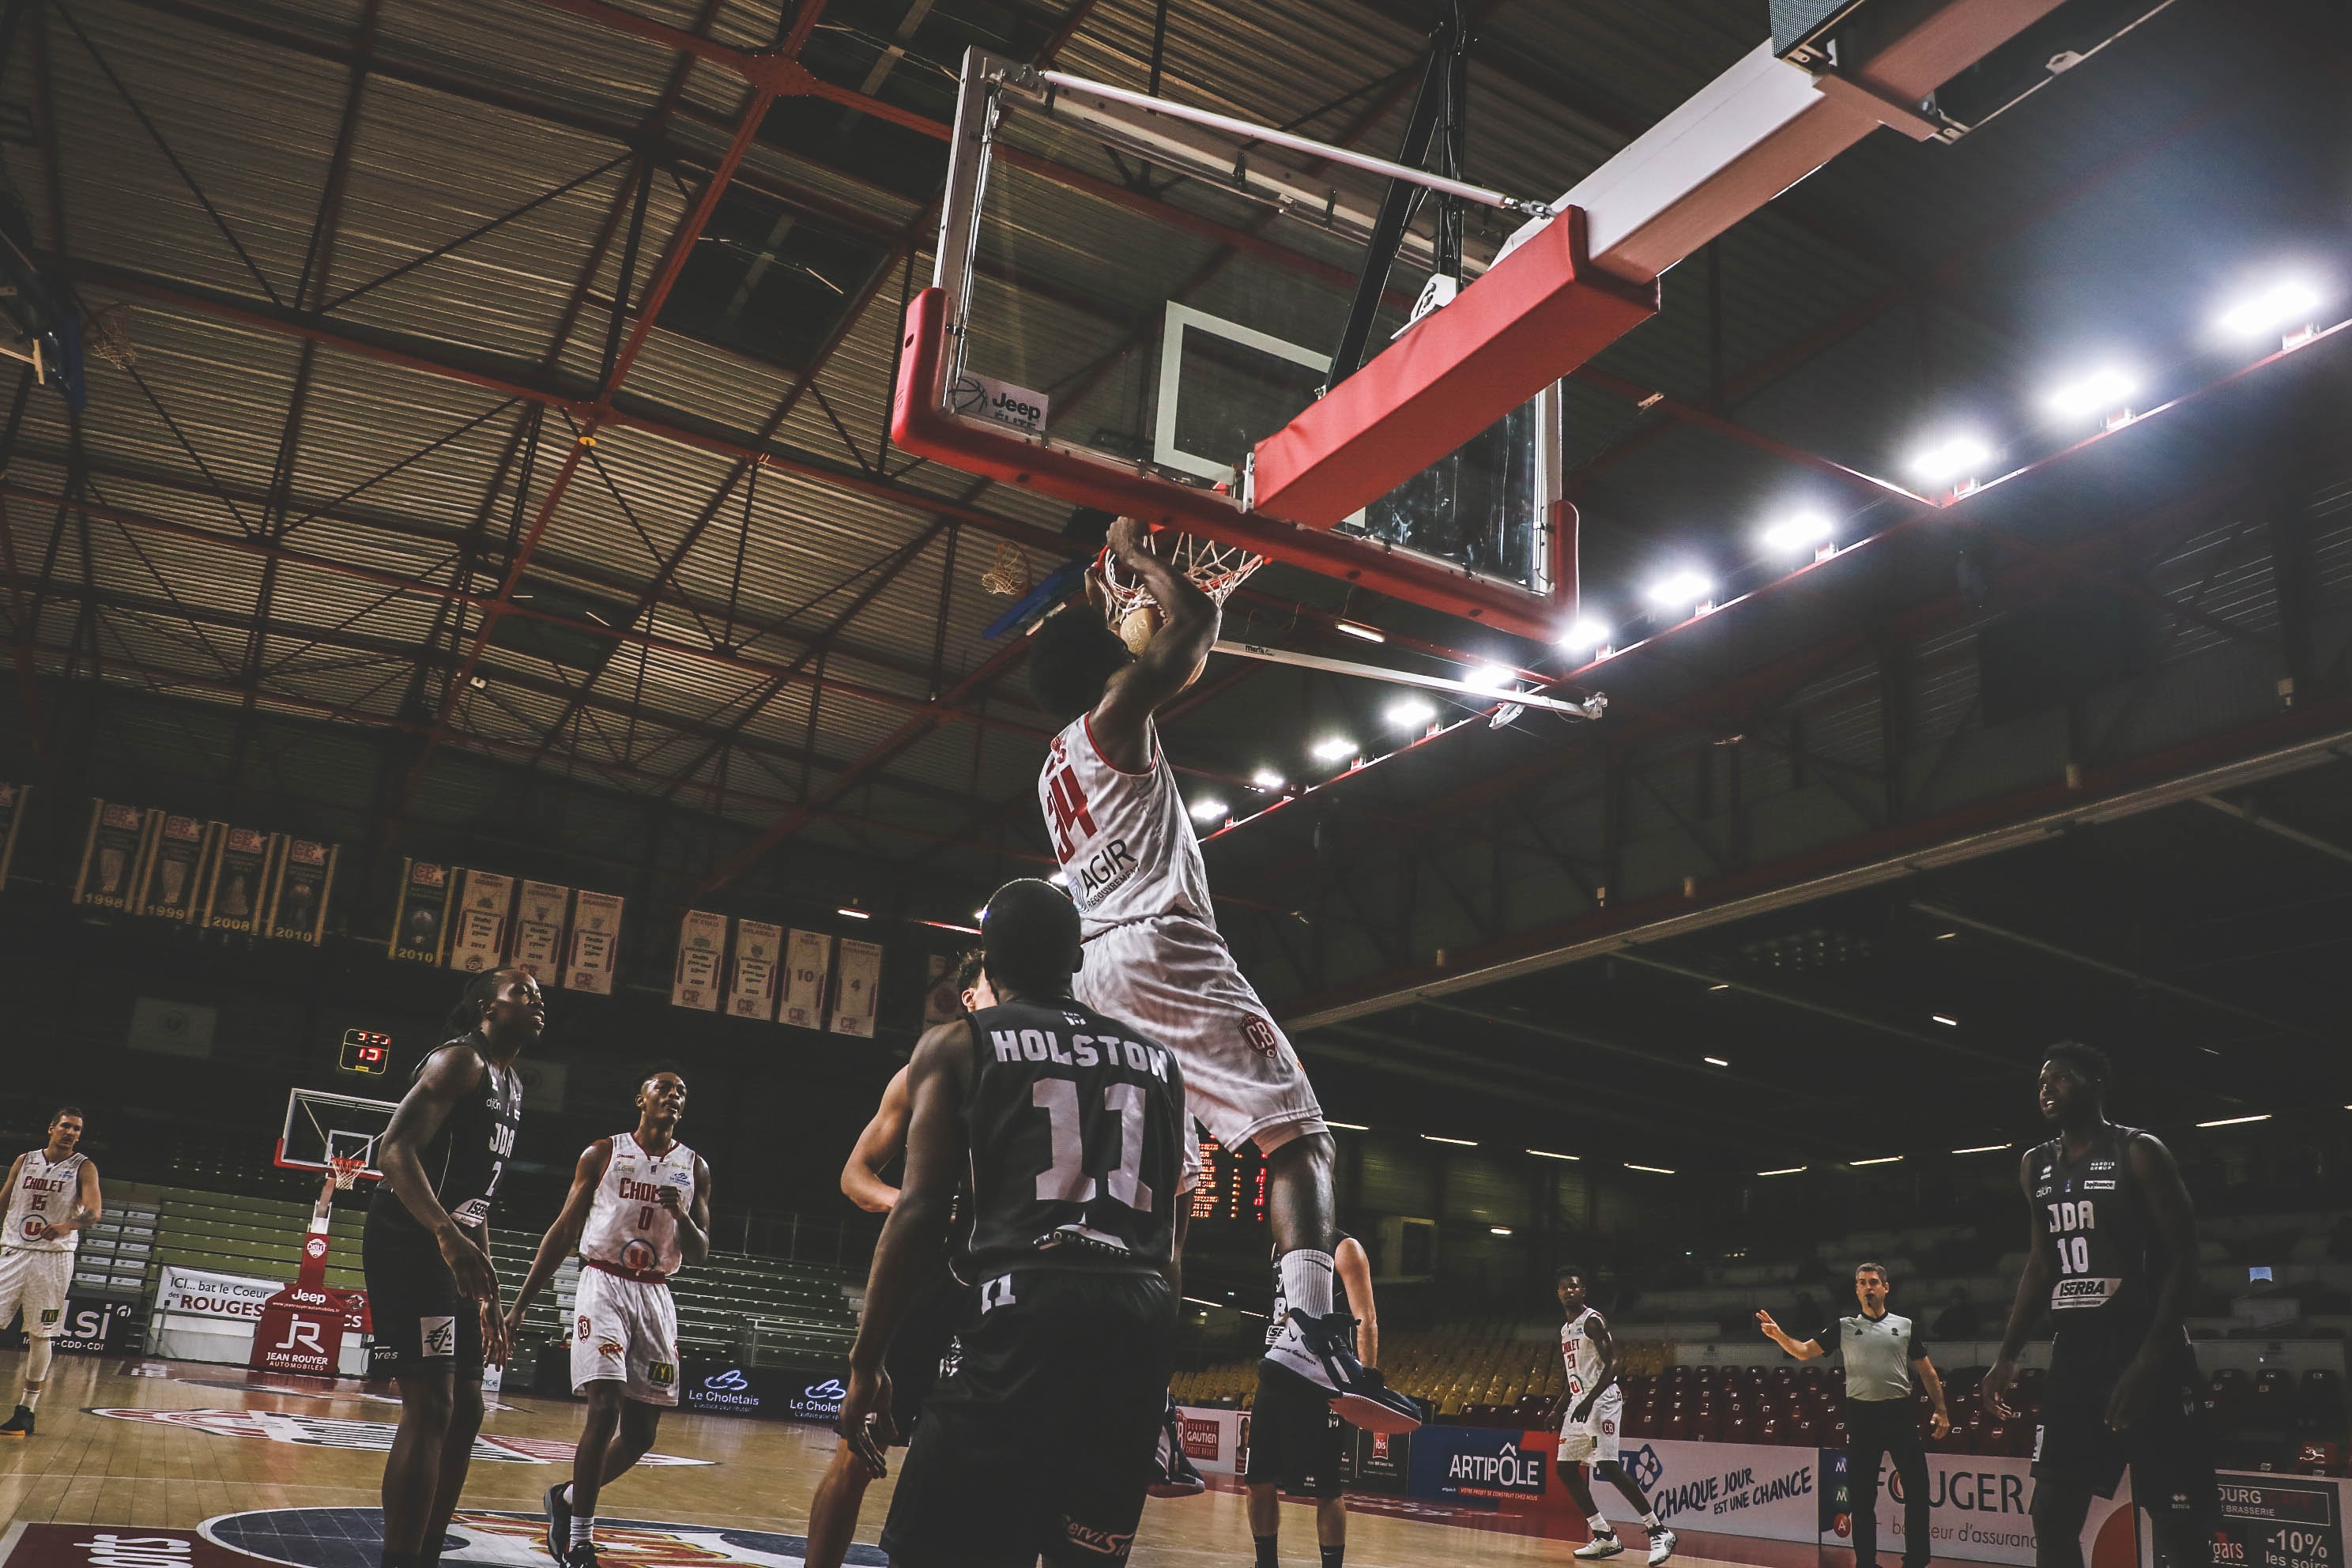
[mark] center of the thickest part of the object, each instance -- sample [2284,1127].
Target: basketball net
[344,1170]
[1215,569]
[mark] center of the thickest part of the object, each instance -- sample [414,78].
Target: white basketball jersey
[45,1193]
[1581,1351]
[1124,840]
[628,1228]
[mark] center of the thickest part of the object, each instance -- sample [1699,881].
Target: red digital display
[366,1053]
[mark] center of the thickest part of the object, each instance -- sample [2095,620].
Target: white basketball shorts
[1594,1439]
[1172,977]
[625,1332]
[36,1279]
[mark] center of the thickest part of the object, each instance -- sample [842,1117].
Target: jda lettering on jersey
[630,1230]
[1124,839]
[2096,1222]
[44,1195]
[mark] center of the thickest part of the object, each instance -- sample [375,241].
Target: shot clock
[366,1053]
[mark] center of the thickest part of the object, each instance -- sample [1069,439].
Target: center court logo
[337,1537]
[374,1436]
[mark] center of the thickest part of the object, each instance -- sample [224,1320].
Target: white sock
[567,1494]
[584,1531]
[31,1398]
[1600,1523]
[1650,1521]
[1306,1281]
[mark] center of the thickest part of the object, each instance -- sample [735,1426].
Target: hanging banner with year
[113,855]
[14,797]
[419,918]
[596,947]
[758,965]
[860,980]
[298,898]
[178,868]
[540,909]
[694,980]
[808,964]
[478,929]
[238,888]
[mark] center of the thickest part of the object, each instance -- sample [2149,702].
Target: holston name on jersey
[1045,1045]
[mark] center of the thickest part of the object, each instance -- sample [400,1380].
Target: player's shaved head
[1072,658]
[1029,939]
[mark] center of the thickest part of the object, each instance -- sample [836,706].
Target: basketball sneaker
[19,1425]
[1661,1546]
[1317,1351]
[1600,1546]
[581,1555]
[1172,1471]
[559,1521]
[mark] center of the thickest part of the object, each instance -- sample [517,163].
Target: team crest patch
[1262,1037]
[583,1326]
[437,1336]
[661,1373]
[51,1315]
[351,1538]
[611,1348]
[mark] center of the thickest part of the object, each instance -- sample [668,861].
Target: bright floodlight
[2101,392]
[1333,749]
[1586,635]
[1680,590]
[1410,713]
[1953,457]
[1208,810]
[1266,778]
[2290,303]
[1491,678]
[1795,535]
[1368,634]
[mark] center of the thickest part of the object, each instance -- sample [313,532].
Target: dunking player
[1035,1442]
[941,1304]
[1125,843]
[431,1292]
[639,1204]
[52,1195]
[2112,1250]
[1591,1417]
[1295,1437]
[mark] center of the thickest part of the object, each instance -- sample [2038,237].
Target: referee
[1882,1352]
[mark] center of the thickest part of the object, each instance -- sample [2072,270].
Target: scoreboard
[1232,1184]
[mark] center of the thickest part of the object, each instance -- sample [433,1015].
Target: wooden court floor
[173,1445]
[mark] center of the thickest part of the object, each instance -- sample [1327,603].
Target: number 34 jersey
[1076,1128]
[2097,1226]
[630,1231]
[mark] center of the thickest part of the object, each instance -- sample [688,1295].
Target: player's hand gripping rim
[865,1421]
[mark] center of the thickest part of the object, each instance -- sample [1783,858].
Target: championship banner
[595,942]
[297,900]
[758,960]
[478,926]
[861,978]
[421,913]
[176,868]
[242,867]
[808,964]
[540,909]
[14,798]
[694,981]
[942,999]
[113,855]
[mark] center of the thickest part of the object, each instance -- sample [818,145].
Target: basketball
[1135,628]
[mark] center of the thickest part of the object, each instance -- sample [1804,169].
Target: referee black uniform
[1881,1423]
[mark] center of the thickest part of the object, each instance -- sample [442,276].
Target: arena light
[2236,1120]
[851,913]
[1207,809]
[1877,1160]
[1587,633]
[1946,935]
[1353,630]
[1333,749]
[1950,458]
[1491,678]
[1796,534]
[1984,1148]
[1549,1154]
[1784,1170]
[1949,1022]
[1653,1170]
[1498,1230]
[1681,589]
[1465,1143]
[1268,779]
[2104,391]
[2290,302]
[1346,1126]
[1715,1061]
[1410,713]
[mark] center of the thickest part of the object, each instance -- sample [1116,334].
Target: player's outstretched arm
[563,1236]
[1804,1350]
[882,1141]
[2033,1289]
[451,1073]
[1354,1267]
[1167,664]
[912,1236]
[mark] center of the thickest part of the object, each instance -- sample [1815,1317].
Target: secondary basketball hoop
[335,1135]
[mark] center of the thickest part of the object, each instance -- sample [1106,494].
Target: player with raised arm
[2112,1250]
[52,1198]
[639,1206]
[1125,842]
[1069,1127]
[433,1295]
[1591,1416]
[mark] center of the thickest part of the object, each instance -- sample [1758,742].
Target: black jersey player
[432,1293]
[1037,1442]
[2114,1255]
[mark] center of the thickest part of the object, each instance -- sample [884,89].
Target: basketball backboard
[320,1127]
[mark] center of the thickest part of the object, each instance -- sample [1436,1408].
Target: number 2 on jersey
[1066,1180]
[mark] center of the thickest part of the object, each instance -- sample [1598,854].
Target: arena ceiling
[504,381]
